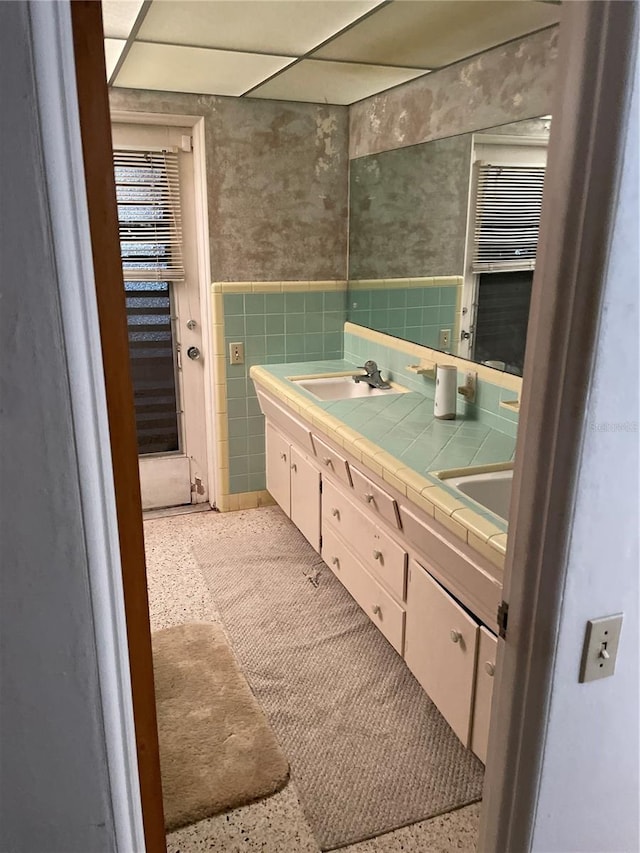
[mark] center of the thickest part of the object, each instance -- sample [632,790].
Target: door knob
[490,668]
[294,468]
[283,456]
[335,561]
[377,555]
[368,498]
[193,353]
[376,610]
[456,636]
[335,512]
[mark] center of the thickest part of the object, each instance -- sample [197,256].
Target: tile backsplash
[276,322]
[415,309]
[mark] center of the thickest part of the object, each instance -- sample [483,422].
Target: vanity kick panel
[382,556]
[383,611]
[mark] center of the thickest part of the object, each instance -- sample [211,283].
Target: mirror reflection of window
[504,221]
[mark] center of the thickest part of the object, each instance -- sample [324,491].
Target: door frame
[596,51]
[196,124]
[583,161]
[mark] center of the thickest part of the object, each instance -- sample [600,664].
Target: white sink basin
[490,489]
[343,388]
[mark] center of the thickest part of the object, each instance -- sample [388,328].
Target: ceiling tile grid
[319,51]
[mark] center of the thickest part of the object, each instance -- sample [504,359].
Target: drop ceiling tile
[285,27]
[432,33]
[172,68]
[112,50]
[332,82]
[119,16]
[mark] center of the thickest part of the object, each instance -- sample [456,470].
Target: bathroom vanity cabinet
[433,598]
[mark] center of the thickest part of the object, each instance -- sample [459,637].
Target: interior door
[164,319]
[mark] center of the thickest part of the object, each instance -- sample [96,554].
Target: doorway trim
[101,418]
[196,123]
[583,171]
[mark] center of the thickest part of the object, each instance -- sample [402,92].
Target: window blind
[507,221]
[149,215]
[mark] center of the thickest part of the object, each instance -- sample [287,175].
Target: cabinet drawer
[382,556]
[331,461]
[378,501]
[383,611]
[487,649]
[440,649]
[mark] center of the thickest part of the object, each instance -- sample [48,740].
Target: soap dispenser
[444,403]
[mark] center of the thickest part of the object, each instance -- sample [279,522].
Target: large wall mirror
[442,241]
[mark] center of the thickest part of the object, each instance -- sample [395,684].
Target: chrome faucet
[372,376]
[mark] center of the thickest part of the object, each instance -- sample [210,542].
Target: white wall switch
[600,647]
[236,353]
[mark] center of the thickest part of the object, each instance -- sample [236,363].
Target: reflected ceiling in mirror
[442,240]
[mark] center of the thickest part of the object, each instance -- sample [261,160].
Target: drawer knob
[456,636]
[368,498]
[327,460]
[490,668]
[335,561]
[294,467]
[335,512]
[377,555]
[283,456]
[376,610]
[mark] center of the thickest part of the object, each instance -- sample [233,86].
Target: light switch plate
[236,353]
[600,647]
[444,339]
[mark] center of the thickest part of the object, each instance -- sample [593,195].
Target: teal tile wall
[413,313]
[485,409]
[274,327]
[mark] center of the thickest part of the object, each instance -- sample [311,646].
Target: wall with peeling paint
[276,183]
[505,84]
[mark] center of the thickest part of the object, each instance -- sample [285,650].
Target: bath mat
[217,750]
[369,751]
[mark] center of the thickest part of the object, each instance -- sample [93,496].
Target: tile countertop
[398,437]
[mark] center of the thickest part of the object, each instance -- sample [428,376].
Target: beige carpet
[369,751]
[217,750]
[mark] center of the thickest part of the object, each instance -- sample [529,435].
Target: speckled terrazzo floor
[177,594]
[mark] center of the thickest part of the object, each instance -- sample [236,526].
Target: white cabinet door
[487,650]
[305,497]
[440,649]
[278,462]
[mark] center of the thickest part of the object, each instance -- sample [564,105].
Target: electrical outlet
[444,339]
[236,353]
